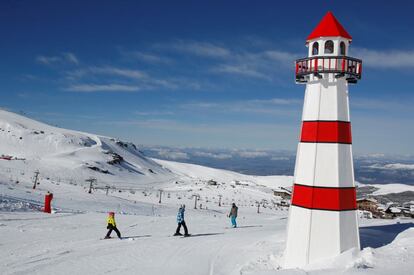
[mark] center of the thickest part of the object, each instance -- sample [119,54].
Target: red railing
[342,66]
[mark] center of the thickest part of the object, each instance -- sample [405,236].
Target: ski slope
[68,243]
[69,240]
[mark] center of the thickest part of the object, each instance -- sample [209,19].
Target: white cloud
[137,77]
[240,69]
[70,57]
[393,166]
[199,105]
[386,59]
[277,101]
[133,74]
[383,104]
[202,49]
[260,65]
[47,60]
[153,113]
[63,58]
[245,63]
[252,154]
[281,56]
[272,106]
[233,134]
[176,125]
[172,154]
[279,158]
[108,70]
[147,57]
[90,88]
[212,155]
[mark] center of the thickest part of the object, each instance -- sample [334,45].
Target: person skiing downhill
[112,226]
[181,222]
[233,215]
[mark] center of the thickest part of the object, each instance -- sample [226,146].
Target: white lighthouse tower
[322,218]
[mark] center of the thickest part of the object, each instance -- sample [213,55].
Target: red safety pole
[48,202]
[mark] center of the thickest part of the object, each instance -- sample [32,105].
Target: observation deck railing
[341,66]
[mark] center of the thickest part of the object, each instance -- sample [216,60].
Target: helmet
[111,214]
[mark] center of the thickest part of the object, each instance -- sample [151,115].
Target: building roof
[395,210]
[367,199]
[329,26]
[282,190]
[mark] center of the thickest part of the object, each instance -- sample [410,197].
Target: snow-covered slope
[62,155]
[68,241]
[65,159]
[196,172]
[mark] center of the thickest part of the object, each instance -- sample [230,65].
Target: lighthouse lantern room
[322,217]
[327,54]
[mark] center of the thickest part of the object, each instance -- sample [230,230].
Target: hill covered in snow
[63,155]
[66,160]
[145,194]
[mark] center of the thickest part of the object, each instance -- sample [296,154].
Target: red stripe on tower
[326,131]
[324,198]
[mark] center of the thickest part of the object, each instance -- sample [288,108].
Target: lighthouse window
[329,46]
[342,48]
[315,48]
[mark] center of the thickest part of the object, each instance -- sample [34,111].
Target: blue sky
[201,73]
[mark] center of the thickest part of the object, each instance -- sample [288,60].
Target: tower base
[319,234]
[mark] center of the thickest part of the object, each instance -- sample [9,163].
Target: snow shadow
[130,167]
[205,234]
[249,226]
[135,237]
[377,236]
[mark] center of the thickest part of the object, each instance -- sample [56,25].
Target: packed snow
[70,240]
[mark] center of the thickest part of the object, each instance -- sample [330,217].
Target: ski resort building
[368,204]
[282,193]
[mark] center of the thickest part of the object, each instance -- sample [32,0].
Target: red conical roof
[329,26]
